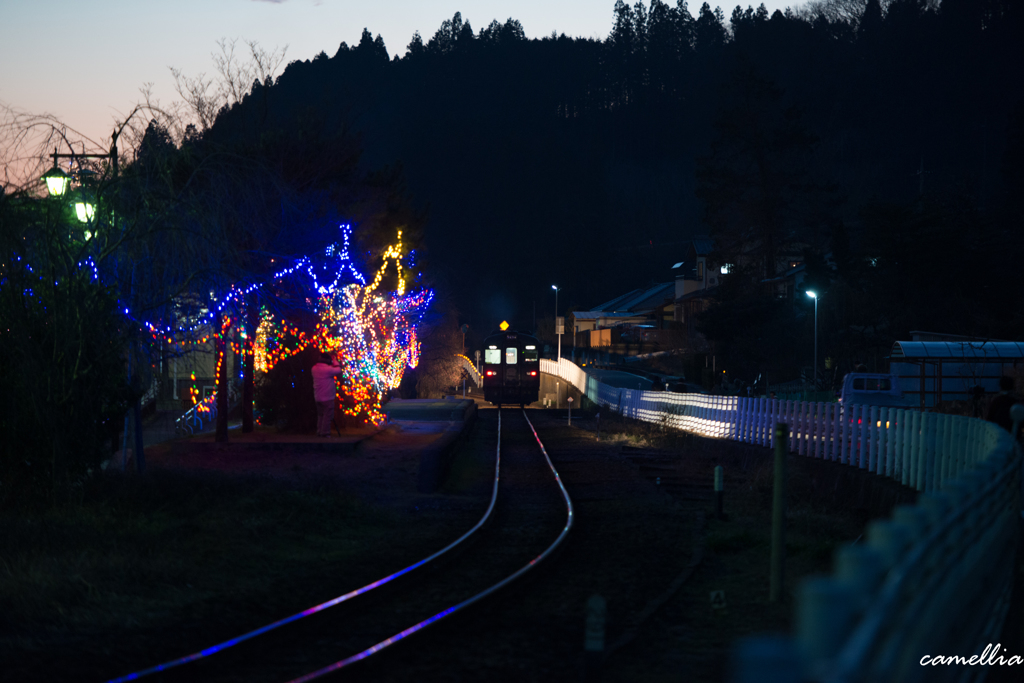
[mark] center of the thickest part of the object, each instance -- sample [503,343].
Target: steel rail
[219,647]
[401,635]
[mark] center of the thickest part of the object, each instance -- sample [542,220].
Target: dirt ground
[217,540]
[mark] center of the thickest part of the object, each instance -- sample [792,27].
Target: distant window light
[492,356]
[530,347]
[510,355]
[873,261]
[700,270]
[726,269]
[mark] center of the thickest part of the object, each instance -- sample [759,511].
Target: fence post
[814,448]
[790,419]
[819,431]
[774,413]
[865,437]
[946,449]
[826,428]
[898,451]
[924,464]
[826,608]
[910,478]
[883,440]
[961,451]
[734,403]
[953,451]
[845,411]
[872,449]
[719,421]
[794,427]
[741,419]
[837,430]
[806,428]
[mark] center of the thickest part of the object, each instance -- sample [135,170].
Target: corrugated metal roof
[653,297]
[703,245]
[614,303]
[910,350]
[639,300]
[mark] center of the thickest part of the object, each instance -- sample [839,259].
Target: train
[511,368]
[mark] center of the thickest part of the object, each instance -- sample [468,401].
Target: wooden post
[779,514]
[593,641]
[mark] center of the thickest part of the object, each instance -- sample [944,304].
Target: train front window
[529,356]
[492,356]
[510,355]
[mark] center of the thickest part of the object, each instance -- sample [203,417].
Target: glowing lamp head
[554,288]
[811,293]
[85,210]
[504,325]
[57,182]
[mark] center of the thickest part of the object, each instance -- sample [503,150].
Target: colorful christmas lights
[372,333]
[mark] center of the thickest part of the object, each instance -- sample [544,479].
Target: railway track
[528,517]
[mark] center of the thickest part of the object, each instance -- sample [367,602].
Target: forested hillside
[885,130]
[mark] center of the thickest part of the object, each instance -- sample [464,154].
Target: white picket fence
[933,580]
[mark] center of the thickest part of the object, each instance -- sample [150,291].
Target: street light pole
[556,324]
[814,295]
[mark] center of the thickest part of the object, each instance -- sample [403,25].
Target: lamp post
[57,181]
[814,295]
[556,324]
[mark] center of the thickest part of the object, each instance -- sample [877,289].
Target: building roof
[703,245]
[698,294]
[639,300]
[614,304]
[995,351]
[588,315]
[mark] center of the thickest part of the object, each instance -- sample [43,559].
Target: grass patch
[828,505]
[147,553]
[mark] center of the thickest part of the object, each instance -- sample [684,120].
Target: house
[639,308]
[696,276]
[657,314]
[696,272]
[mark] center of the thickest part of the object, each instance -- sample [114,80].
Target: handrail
[474,374]
[192,420]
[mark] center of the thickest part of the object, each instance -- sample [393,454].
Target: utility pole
[558,327]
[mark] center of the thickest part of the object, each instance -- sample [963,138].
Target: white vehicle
[873,389]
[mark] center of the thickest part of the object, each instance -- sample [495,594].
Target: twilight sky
[84,61]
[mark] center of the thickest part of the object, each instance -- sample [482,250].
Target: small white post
[865,436]
[872,432]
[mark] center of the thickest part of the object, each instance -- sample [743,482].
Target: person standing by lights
[324,392]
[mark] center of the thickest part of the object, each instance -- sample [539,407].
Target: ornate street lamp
[85,208]
[56,180]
